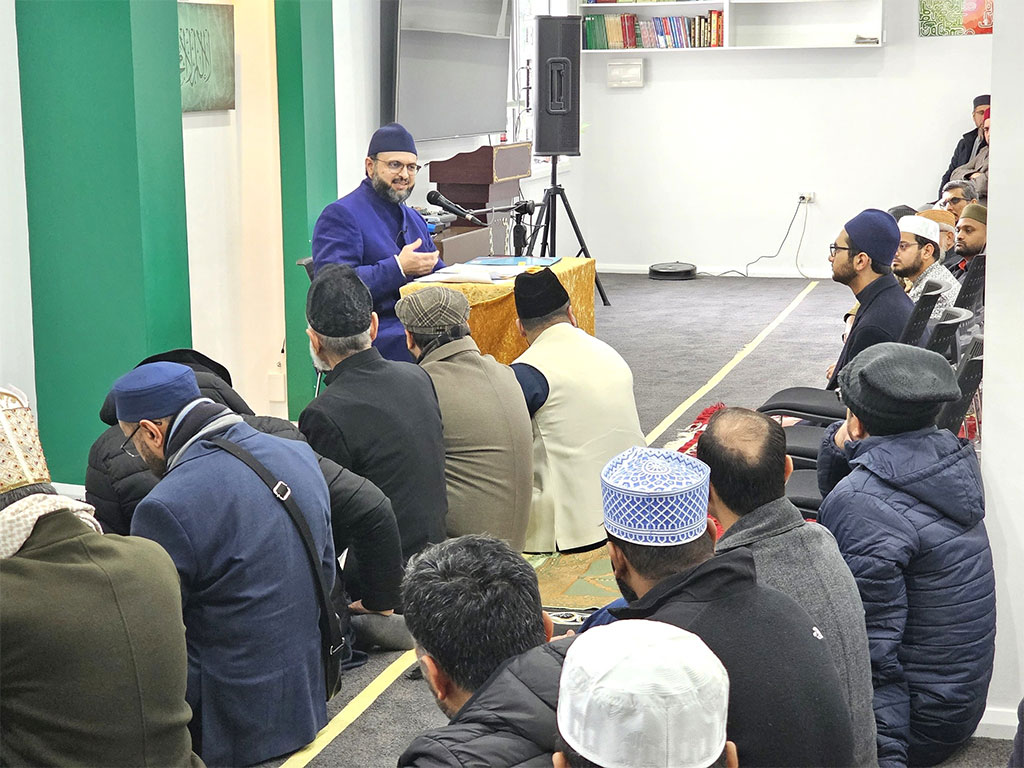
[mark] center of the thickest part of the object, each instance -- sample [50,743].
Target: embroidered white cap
[639,693]
[919,225]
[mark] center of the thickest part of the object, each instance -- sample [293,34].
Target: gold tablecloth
[492,316]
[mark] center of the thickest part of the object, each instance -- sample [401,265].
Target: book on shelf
[627,31]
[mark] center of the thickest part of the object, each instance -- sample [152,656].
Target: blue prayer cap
[153,391]
[655,497]
[391,138]
[876,233]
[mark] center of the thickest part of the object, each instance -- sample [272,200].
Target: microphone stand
[520,210]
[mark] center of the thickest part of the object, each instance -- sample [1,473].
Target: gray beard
[389,193]
[318,362]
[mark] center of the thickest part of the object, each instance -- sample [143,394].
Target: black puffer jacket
[114,481]
[509,721]
[361,515]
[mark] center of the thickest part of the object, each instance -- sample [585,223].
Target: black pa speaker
[557,114]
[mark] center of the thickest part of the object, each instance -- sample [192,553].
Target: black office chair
[922,312]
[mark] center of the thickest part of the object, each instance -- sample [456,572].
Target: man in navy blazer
[862,257]
[374,232]
[255,674]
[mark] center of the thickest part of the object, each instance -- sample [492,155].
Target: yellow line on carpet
[671,419]
[351,711]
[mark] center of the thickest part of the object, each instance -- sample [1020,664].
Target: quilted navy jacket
[908,520]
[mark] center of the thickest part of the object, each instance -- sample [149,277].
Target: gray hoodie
[802,560]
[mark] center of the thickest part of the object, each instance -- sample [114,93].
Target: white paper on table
[458,273]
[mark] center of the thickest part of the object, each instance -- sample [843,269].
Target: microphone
[436,198]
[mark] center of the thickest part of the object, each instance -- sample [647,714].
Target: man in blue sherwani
[372,231]
[255,672]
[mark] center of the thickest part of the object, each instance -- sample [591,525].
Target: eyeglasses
[952,201]
[904,245]
[394,166]
[833,249]
[128,441]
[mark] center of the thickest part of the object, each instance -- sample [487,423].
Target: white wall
[1003,422]
[233,206]
[706,161]
[357,99]
[17,361]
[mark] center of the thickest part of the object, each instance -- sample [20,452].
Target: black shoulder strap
[331,639]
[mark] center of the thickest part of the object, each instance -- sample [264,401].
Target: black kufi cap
[538,294]
[985,99]
[338,303]
[896,387]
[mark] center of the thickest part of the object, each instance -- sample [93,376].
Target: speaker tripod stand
[546,231]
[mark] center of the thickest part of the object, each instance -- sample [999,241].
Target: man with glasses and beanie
[256,677]
[862,257]
[374,232]
[972,141]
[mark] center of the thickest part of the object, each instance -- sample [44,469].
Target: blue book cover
[513,261]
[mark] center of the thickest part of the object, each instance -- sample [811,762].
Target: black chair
[969,378]
[307,263]
[972,290]
[802,444]
[922,312]
[822,406]
[818,405]
[802,490]
[944,332]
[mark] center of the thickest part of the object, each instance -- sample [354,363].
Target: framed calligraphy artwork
[206,56]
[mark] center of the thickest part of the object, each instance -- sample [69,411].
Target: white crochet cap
[919,225]
[643,694]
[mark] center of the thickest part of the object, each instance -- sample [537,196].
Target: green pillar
[309,163]
[101,113]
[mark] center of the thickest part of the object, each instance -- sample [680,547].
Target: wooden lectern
[484,178]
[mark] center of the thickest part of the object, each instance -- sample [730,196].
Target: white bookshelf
[758,25]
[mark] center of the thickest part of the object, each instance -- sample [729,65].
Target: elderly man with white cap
[786,704]
[918,259]
[642,694]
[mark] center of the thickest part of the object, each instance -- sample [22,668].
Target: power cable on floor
[746,269]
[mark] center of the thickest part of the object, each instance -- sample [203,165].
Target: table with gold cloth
[492,316]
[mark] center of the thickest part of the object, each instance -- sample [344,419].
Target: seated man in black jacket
[473,608]
[116,480]
[786,702]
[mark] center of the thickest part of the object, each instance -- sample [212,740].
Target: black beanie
[338,303]
[539,294]
[897,388]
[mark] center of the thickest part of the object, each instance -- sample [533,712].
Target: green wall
[101,114]
[309,163]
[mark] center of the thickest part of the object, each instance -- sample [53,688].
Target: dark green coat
[93,666]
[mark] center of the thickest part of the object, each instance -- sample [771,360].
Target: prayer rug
[575,582]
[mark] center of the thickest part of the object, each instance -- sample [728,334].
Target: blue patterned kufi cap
[655,497]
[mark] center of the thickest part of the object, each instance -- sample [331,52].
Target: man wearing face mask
[374,232]
[255,674]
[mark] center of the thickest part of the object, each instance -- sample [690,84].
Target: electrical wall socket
[807,197]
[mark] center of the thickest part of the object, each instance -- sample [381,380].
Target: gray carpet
[675,336]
